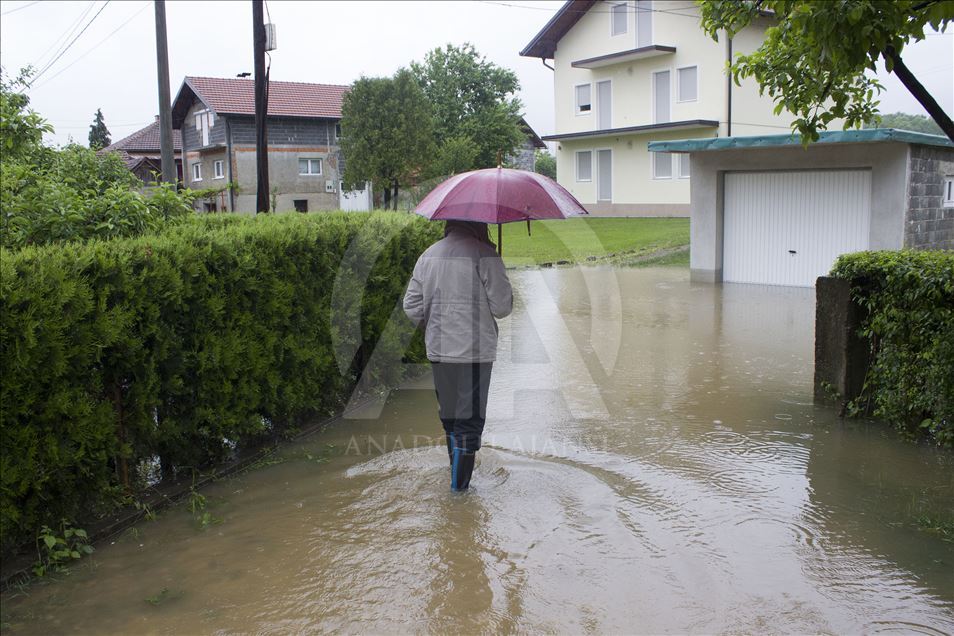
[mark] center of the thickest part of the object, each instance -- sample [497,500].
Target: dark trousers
[462,396]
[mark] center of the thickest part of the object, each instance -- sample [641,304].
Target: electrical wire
[629,9]
[95,46]
[60,41]
[26,6]
[72,42]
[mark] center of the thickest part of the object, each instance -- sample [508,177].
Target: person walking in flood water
[457,291]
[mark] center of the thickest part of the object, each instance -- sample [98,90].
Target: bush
[909,297]
[215,334]
[75,194]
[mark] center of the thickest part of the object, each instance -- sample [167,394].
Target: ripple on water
[900,627]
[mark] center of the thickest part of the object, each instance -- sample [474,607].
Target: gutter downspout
[544,60]
[228,155]
[728,92]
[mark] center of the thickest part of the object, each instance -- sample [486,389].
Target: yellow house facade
[627,73]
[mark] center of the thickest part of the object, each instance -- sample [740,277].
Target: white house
[630,72]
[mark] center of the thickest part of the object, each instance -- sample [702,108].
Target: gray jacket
[458,287]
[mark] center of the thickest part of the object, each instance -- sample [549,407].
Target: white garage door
[787,228]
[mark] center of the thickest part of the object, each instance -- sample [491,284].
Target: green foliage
[52,195]
[456,155]
[54,549]
[98,133]
[21,128]
[473,99]
[215,333]
[386,128]
[813,62]
[545,163]
[909,296]
[907,121]
[76,194]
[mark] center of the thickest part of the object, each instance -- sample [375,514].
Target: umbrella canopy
[499,195]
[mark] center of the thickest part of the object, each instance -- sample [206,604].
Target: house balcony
[691,124]
[641,53]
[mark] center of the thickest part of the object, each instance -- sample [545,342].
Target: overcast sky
[112,64]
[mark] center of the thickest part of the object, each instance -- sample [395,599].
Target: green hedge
[909,296]
[216,334]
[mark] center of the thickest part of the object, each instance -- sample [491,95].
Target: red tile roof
[146,140]
[290,99]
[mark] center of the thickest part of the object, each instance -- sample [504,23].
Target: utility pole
[261,106]
[165,105]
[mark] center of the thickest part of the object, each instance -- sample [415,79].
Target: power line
[95,46]
[25,6]
[629,9]
[60,40]
[73,41]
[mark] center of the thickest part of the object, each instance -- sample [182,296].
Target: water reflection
[685,484]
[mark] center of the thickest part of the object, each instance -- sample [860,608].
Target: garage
[787,228]
[766,210]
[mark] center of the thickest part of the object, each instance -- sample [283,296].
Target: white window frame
[596,169]
[947,194]
[652,167]
[218,169]
[595,99]
[652,24]
[204,121]
[679,157]
[197,171]
[311,161]
[672,88]
[612,16]
[576,165]
[576,97]
[679,97]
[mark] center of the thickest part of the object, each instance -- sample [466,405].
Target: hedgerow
[909,298]
[216,333]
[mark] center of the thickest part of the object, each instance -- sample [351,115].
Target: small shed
[766,210]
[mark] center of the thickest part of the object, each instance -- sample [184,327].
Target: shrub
[182,345]
[909,297]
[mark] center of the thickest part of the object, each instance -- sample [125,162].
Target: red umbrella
[499,195]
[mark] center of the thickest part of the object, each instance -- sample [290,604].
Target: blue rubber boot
[462,467]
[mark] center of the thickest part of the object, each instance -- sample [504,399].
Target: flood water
[653,463]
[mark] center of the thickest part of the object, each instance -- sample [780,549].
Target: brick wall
[928,225]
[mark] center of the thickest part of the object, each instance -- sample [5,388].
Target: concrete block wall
[927,224]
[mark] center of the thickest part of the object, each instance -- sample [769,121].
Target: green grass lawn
[575,240]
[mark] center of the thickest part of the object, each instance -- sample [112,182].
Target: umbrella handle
[500,239]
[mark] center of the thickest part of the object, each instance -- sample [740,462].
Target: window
[949,192]
[204,121]
[309,167]
[583,101]
[687,80]
[644,23]
[337,131]
[662,165]
[661,97]
[684,165]
[618,19]
[584,165]
[218,168]
[301,205]
[197,172]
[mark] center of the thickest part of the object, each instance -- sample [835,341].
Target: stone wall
[928,225]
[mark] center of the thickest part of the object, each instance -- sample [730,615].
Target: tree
[544,163]
[472,98]
[98,133]
[813,62]
[907,121]
[21,128]
[386,132]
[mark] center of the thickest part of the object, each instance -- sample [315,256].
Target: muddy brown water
[653,463]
